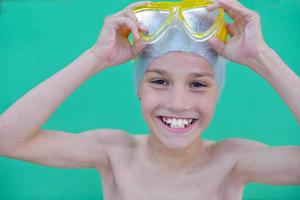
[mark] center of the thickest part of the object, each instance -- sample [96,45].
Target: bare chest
[131,178]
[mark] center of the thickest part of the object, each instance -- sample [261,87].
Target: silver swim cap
[176,39]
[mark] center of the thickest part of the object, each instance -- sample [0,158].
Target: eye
[159,82]
[197,84]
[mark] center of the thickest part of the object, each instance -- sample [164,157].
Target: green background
[38,38]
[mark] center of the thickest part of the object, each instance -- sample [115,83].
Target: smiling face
[178,96]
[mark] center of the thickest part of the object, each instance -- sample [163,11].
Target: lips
[176,125]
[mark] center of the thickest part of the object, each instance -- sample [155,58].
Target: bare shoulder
[230,152]
[110,137]
[242,144]
[239,145]
[235,146]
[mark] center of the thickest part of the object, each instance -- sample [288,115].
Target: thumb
[138,47]
[217,45]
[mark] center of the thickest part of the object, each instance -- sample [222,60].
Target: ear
[139,96]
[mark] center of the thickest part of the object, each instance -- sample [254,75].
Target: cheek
[148,104]
[149,101]
[206,104]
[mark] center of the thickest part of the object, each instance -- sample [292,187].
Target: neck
[174,160]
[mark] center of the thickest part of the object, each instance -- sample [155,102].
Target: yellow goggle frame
[173,8]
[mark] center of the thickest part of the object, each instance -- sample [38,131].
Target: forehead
[181,62]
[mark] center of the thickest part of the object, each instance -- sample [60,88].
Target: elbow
[5,150]
[4,142]
[2,149]
[7,147]
[2,152]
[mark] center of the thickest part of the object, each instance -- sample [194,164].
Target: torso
[130,177]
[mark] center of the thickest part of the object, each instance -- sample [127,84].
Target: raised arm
[247,47]
[21,136]
[282,79]
[258,162]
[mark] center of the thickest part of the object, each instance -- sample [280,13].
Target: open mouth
[178,125]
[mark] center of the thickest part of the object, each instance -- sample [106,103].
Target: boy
[172,162]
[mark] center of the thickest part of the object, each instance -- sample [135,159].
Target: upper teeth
[177,122]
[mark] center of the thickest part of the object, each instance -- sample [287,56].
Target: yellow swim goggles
[191,15]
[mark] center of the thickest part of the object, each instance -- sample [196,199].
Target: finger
[235,8]
[230,29]
[125,25]
[130,7]
[231,14]
[138,47]
[213,6]
[129,13]
[217,45]
[216,5]
[232,7]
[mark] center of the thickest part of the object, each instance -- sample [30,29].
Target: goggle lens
[199,19]
[153,20]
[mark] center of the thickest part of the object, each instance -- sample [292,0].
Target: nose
[178,99]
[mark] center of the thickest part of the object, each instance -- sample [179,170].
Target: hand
[113,46]
[246,42]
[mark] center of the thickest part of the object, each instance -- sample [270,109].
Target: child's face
[178,95]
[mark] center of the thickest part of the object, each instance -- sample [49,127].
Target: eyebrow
[158,71]
[195,75]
